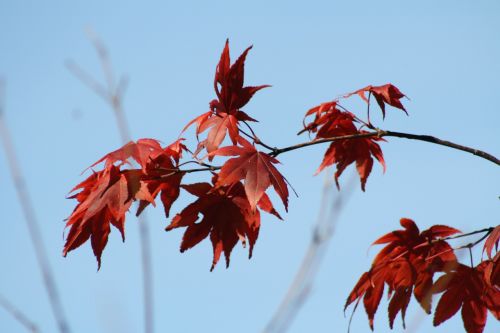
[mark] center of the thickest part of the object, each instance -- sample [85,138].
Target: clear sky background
[445,55]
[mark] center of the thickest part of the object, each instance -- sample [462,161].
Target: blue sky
[442,54]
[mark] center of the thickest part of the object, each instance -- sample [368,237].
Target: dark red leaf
[227,218]
[464,287]
[385,94]
[371,301]
[448,305]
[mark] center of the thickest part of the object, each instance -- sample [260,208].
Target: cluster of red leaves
[230,207]
[225,111]
[332,120]
[105,196]
[408,263]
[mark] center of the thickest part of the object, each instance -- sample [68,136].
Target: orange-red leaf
[255,168]
[492,241]
[140,151]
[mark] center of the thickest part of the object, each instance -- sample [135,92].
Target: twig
[31,221]
[112,94]
[18,315]
[432,139]
[470,246]
[487,230]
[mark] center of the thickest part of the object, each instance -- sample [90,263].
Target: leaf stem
[255,138]
[470,255]
[368,110]
[487,230]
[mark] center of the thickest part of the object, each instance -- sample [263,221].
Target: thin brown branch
[18,315]
[112,94]
[432,139]
[383,133]
[31,221]
[279,151]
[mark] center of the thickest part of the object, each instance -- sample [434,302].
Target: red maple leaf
[104,200]
[225,111]
[106,195]
[385,94]
[406,264]
[464,287]
[227,218]
[255,168]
